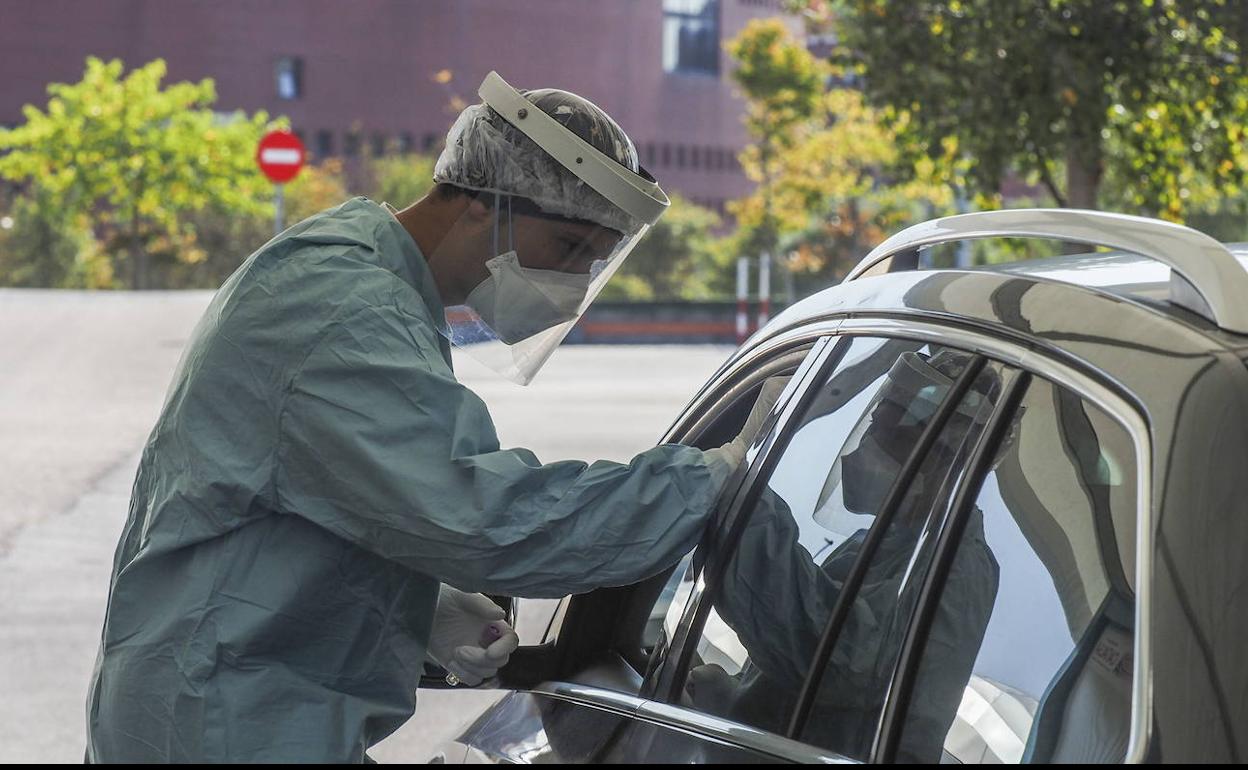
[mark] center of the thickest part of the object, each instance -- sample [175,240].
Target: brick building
[393,73]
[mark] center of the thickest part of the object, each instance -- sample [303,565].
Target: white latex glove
[731,455]
[470,638]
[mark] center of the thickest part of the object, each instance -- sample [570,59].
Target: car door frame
[732,382]
[1083,381]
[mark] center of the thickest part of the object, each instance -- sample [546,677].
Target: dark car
[998,515]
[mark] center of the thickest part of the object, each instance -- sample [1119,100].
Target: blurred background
[796,131]
[793,136]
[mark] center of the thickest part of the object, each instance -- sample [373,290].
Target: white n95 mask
[517,302]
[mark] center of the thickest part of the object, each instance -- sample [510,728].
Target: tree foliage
[1128,104]
[44,247]
[831,180]
[399,179]
[139,158]
[678,259]
[782,84]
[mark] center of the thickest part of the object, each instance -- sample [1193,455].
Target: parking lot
[82,377]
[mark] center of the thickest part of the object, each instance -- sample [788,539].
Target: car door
[804,627]
[1051,505]
[983,609]
[749,635]
[580,685]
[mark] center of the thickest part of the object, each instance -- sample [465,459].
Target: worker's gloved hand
[729,456]
[470,637]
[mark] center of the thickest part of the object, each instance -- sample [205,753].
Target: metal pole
[743,298]
[764,289]
[279,200]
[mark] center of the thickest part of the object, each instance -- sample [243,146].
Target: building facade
[373,75]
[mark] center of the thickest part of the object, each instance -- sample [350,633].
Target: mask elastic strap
[511,242]
[496,252]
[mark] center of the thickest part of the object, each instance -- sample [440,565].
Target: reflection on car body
[996,517]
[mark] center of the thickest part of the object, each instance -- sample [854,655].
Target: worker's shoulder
[316,276]
[338,260]
[343,239]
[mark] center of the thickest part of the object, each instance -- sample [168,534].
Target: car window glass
[670,605]
[849,699]
[712,424]
[772,604]
[1049,677]
[726,418]
[534,618]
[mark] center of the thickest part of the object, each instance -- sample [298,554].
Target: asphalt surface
[82,379]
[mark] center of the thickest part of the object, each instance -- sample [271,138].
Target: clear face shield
[871,459]
[551,248]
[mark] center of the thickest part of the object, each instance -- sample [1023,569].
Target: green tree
[138,158]
[43,247]
[226,239]
[399,179]
[1128,104]
[833,182]
[782,84]
[316,188]
[678,259]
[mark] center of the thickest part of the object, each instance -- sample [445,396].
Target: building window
[680,156]
[691,36]
[351,144]
[666,155]
[379,144]
[429,142]
[406,143]
[324,144]
[289,72]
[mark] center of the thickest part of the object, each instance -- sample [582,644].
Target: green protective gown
[317,470]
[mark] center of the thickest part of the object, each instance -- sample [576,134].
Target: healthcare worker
[320,501]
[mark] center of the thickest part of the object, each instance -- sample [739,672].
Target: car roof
[1116,276]
[1127,275]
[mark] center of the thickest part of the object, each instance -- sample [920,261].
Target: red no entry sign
[280,156]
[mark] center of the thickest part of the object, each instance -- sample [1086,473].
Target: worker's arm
[771,582]
[380,445]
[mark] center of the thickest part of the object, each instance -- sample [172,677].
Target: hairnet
[485,152]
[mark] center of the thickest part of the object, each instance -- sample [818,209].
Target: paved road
[82,377]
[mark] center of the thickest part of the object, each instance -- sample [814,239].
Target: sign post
[280,156]
[743,298]
[764,289]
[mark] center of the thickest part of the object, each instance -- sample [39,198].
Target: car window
[802,535]
[1050,673]
[711,424]
[849,698]
[719,423]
